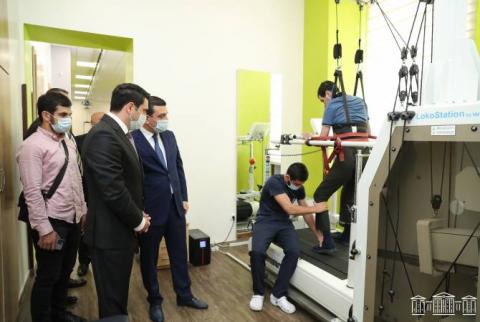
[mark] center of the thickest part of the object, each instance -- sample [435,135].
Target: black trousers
[174,231]
[111,271]
[342,174]
[83,252]
[265,231]
[49,291]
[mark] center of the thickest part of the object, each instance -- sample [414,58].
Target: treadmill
[318,278]
[335,264]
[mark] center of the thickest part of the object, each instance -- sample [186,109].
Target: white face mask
[293,187]
[62,125]
[162,126]
[136,124]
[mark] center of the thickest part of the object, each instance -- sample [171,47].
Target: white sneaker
[256,303]
[283,304]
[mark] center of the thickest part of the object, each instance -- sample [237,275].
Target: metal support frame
[420,129]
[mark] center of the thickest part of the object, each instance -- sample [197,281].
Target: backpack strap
[60,175]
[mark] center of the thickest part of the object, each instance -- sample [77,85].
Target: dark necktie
[130,138]
[158,151]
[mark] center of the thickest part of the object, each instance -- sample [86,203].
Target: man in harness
[348,117]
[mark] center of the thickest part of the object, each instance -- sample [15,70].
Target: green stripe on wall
[77,38]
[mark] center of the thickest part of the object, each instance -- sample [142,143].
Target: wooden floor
[224,285]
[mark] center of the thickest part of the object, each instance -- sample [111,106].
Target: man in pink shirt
[53,221]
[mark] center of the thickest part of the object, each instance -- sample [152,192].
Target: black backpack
[22,204]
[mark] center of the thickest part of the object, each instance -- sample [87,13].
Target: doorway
[87,65]
[259,114]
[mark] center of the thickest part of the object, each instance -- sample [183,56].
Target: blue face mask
[62,125]
[162,126]
[135,125]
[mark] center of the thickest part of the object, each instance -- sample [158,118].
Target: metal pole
[353,226]
[477,319]
[267,166]
[251,169]
[355,144]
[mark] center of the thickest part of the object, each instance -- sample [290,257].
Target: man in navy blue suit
[166,200]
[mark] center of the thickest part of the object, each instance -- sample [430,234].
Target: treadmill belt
[336,264]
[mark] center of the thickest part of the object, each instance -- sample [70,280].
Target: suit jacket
[79,139]
[115,185]
[158,179]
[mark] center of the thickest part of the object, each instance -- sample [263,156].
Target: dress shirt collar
[50,134]
[147,133]
[119,121]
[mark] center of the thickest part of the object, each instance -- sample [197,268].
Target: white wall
[80,115]
[188,51]
[16,77]
[61,67]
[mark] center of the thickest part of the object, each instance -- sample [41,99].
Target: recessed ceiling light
[79,97]
[86,64]
[83,77]
[81,85]
[81,92]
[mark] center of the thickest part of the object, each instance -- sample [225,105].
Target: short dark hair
[126,93]
[58,90]
[326,86]
[154,101]
[298,171]
[33,127]
[50,101]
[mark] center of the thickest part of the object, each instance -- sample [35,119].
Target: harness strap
[338,148]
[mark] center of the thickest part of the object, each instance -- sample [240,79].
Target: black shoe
[156,313]
[68,317]
[341,238]
[337,235]
[82,269]
[73,283]
[72,300]
[193,303]
[324,250]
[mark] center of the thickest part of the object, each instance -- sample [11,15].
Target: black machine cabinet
[199,247]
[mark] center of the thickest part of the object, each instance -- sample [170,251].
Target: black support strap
[339,80]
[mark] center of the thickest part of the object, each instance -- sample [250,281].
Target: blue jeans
[265,231]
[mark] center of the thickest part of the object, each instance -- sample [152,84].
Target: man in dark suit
[166,201]
[115,197]
[83,253]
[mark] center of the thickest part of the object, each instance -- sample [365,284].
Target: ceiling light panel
[85,77]
[86,64]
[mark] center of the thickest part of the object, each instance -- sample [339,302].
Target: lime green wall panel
[29,80]
[253,105]
[316,53]
[477,26]
[319,65]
